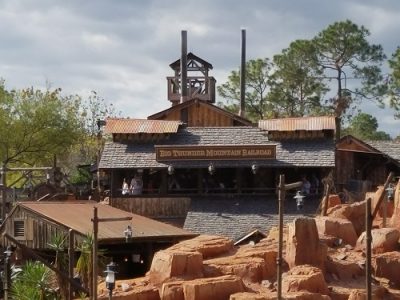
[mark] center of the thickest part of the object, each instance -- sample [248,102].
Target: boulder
[260,250]
[354,212]
[169,263]
[208,245]
[251,269]
[212,288]
[303,245]
[306,296]
[337,227]
[172,291]
[248,296]
[378,293]
[333,200]
[383,240]
[387,265]
[138,293]
[304,278]
[343,269]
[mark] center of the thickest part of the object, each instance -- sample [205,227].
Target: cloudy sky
[122,48]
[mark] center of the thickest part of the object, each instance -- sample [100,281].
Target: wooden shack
[34,224]
[365,163]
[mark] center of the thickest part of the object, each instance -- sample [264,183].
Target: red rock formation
[387,265]
[304,278]
[337,227]
[383,240]
[303,245]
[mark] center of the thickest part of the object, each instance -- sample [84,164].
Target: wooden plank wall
[38,232]
[154,207]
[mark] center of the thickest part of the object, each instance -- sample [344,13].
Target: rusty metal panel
[134,126]
[78,216]
[302,123]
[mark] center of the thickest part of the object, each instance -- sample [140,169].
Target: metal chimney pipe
[243,74]
[183,65]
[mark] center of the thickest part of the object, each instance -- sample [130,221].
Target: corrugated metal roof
[78,215]
[140,126]
[302,123]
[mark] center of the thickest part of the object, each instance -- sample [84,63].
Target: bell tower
[199,84]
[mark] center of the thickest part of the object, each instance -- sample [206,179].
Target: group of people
[135,187]
[310,187]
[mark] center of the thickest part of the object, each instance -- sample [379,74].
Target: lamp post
[7,272]
[96,220]
[110,278]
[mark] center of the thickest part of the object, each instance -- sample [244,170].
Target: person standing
[136,185]
[125,187]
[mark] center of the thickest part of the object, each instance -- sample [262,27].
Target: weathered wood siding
[38,231]
[154,207]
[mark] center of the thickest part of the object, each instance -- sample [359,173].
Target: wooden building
[34,224]
[365,163]
[196,149]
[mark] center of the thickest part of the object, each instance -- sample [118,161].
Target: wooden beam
[293,185]
[41,259]
[379,202]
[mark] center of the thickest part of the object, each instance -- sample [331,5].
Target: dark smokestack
[183,66]
[243,74]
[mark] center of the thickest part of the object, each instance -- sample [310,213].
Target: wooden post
[94,259]
[382,196]
[281,199]
[368,224]
[71,261]
[243,74]
[325,200]
[184,93]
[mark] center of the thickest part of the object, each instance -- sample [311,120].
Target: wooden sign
[231,152]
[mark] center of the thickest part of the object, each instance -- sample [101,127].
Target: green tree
[297,83]
[257,104]
[58,244]
[394,82]
[365,127]
[343,52]
[36,125]
[33,283]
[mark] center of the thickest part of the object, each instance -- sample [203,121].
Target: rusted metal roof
[302,123]
[135,126]
[78,216]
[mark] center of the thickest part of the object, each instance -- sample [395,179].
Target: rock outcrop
[303,245]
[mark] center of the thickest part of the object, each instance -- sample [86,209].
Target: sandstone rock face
[251,269]
[387,265]
[248,296]
[139,293]
[172,291]
[212,288]
[353,212]
[169,263]
[333,200]
[306,296]
[304,278]
[383,240]
[261,250]
[344,269]
[378,293]
[303,245]
[208,245]
[337,227]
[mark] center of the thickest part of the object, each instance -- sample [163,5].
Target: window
[19,228]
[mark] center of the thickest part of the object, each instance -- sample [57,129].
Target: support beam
[382,196]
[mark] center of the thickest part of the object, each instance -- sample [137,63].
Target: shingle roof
[235,218]
[301,123]
[390,148]
[304,153]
